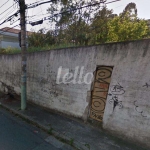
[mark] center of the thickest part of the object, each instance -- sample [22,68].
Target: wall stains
[100,91]
[9,90]
[116,102]
[140,112]
[146,85]
[116,91]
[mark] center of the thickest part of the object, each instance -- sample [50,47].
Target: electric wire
[33,5]
[9,29]
[4,4]
[7,9]
[4,17]
[74,9]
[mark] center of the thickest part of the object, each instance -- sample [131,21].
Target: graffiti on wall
[100,91]
[139,111]
[137,107]
[146,85]
[115,92]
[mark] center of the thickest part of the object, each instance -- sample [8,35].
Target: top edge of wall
[111,43]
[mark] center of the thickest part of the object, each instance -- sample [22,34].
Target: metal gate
[100,91]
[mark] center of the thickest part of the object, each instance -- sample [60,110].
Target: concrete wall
[130,76]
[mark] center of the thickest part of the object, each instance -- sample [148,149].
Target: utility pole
[23,54]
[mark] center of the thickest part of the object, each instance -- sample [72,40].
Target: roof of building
[12,30]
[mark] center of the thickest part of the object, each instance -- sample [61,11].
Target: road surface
[16,134]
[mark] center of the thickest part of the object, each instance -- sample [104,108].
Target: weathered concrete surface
[80,136]
[130,61]
[16,134]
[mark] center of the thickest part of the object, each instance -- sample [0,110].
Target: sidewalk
[79,135]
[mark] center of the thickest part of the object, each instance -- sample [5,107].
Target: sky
[142,6]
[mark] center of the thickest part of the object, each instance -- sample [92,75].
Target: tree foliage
[99,26]
[126,29]
[131,9]
[92,25]
[40,39]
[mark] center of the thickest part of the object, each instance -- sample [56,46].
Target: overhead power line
[37,15]
[112,1]
[70,10]
[4,17]
[36,2]
[10,17]
[7,9]
[9,28]
[4,4]
[33,5]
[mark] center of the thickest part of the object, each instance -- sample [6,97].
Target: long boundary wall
[126,113]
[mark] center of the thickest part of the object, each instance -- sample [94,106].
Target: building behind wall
[9,37]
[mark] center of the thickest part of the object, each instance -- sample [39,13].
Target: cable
[7,9]
[16,3]
[33,5]
[32,11]
[4,17]
[4,4]
[73,9]
[41,9]
[9,29]
[37,15]
[10,17]
[83,7]
[37,4]
[113,1]
[15,21]
[39,1]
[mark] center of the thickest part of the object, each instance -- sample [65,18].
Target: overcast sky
[142,6]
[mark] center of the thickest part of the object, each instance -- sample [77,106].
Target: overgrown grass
[11,50]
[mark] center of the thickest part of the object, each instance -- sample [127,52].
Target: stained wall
[127,111]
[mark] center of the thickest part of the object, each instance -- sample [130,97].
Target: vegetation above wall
[11,50]
[82,29]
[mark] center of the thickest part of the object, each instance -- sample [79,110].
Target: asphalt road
[16,134]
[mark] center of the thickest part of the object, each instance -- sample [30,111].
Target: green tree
[91,25]
[41,39]
[112,28]
[131,9]
[72,24]
[77,33]
[127,28]
[99,26]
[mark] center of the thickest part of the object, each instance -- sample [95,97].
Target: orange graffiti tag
[104,93]
[103,85]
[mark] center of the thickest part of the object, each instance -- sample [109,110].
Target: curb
[61,137]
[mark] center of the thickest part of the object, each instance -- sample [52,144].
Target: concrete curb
[72,142]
